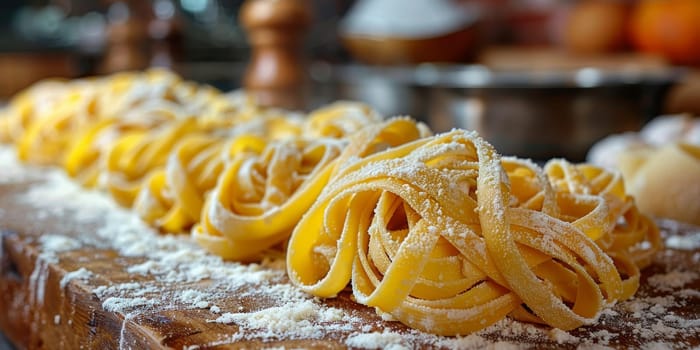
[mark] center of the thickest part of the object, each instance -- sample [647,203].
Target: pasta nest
[438,232]
[172,195]
[447,237]
[261,196]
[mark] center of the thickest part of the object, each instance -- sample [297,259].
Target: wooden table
[140,290]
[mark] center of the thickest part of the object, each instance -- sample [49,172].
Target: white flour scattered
[50,245]
[12,173]
[690,241]
[171,261]
[672,280]
[561,336]
[194,298]
[602,337]
[656,305]
[57,243]
[294,319]
[114,304]
[130,288]
[473,341]
[298,317]
[174,272]
[80,274]
[688,293]
[376,340]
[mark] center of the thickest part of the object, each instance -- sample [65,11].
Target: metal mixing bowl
[538,114]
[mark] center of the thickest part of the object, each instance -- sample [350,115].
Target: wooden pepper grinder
[165,34]
[126,46]
[276,75]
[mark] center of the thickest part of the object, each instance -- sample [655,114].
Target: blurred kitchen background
[538,78]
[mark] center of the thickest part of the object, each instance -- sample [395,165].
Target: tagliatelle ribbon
[136,154]
[448,238]
[30,105]
[45,140]
[260,198]
[172,198]
[138,149]
[45,119]
[439,232]
[633,238]
[340,119]
[84,154]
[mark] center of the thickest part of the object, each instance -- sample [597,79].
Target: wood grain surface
[41,314]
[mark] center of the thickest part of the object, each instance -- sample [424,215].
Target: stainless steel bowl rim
[479,76]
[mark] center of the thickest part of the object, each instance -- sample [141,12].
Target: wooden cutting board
[78,272]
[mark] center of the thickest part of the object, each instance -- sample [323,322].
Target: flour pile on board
[82,274]
[174,267]
[172,272]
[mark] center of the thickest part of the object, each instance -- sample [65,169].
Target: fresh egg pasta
[438,232]
[447,237]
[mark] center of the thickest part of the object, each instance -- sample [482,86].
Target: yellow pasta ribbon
[45,139]
[136,154]
[261,197]
[172,198]
[76,123]
[447,237]
[633,238]
[340,119]
[439,232]
[29,105]
[85,157]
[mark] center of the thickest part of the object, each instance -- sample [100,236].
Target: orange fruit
[596,26]
[670,28]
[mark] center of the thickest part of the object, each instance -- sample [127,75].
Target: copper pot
[391,32]
[452,47]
